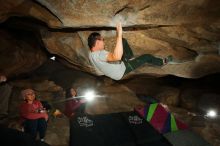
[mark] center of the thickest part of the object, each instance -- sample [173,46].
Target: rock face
[188,100]
[19,54]
[33,31]
[188,30]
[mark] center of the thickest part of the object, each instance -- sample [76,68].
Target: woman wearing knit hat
[33,115]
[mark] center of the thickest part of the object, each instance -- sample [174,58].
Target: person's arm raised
[118,51]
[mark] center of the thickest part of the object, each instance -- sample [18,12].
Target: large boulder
[188,30]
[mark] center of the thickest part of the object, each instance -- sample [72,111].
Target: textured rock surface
[32,31]
[19,54]
[188,100]
[25,8]
[188,30]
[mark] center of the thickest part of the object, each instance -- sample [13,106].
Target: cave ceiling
[188,30]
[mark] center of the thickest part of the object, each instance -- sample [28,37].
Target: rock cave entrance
[188,87]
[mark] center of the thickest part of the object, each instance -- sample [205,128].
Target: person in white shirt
[121,61]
